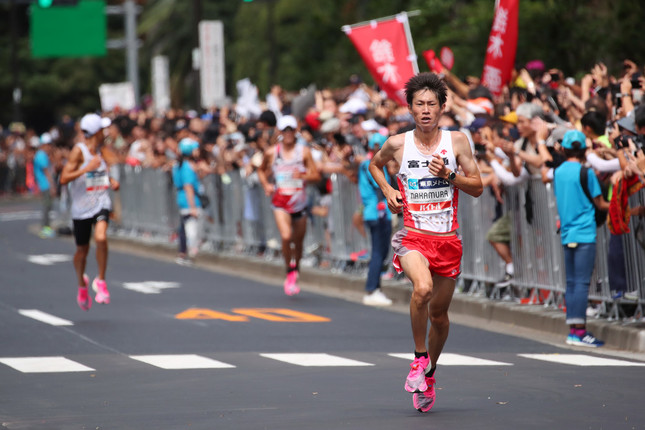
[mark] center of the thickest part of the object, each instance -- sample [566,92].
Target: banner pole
[413,54]
[347,28]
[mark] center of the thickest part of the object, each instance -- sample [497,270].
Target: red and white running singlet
[290,193]
[429,202]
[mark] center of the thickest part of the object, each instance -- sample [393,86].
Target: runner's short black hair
[429,81]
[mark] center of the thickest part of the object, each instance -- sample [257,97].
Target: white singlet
[89,192]
[290,193]
[429,202]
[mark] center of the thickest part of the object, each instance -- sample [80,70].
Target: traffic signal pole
[15,64]
[129,10]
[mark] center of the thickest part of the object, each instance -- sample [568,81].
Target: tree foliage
[294,43]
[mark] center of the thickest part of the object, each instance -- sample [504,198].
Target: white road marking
[580,360]
[150,287]
[447,359]
[44,365]
[21,215]
[181,361]
[319,360]
[49,259]
[44,317]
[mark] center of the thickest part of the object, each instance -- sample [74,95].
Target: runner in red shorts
[290,166]
[434,166]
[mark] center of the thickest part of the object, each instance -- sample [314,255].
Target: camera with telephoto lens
[622,141]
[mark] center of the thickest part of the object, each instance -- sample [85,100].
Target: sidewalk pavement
[534,321]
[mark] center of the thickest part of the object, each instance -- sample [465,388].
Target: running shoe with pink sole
[102,293]
[291,287]
[416,380]
[424,401]
[83,298]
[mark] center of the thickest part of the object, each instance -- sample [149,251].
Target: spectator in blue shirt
[45,181]
[377,220]
[578,233]
[189,191]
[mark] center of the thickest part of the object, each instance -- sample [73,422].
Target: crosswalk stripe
[580,360]
[44,364]
[58,364]
[182,361]
[44,317]
[448,359]
[317,360]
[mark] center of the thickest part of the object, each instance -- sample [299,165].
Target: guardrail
[241,221]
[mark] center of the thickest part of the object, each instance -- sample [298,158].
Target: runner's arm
[312,174]
[470,182]
[263,171]
[380,159]
[72,169]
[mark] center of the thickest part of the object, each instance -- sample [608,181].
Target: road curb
[616,334]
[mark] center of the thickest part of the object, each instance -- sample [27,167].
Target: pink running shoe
[291,287]
[102,293]
[82,297]
[416,381]
[424,401]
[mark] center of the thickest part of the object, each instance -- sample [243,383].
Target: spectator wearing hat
[87,173]
[578,232]
[45,180]
[378,221]
[189,199]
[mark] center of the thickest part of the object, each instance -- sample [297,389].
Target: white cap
[45,138]
[287,121]
[92,124]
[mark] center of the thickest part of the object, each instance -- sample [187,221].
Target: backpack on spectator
[601,216]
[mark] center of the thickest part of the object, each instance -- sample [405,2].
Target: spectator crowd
[515,137]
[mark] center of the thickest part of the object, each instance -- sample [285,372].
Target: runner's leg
[80,260]
[439,321]
[415,267]
[100,238]
[283,222]
[299,230]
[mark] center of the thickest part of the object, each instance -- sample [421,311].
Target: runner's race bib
[287,184]
[97,181]
[429,196]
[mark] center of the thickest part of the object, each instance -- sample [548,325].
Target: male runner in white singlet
[427,249]
[87,173]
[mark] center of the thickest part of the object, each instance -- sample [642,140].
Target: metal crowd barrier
[241,220]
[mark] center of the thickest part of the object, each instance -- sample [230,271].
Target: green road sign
[68,31]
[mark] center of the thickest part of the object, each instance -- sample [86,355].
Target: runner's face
[288,135]
[425,109]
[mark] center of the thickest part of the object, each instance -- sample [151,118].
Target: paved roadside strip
[534,321]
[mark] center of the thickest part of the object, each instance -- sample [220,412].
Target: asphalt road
[186,348]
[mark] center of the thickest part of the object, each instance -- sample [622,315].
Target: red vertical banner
[386,48]
[502,46]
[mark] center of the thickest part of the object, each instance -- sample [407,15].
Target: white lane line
[44,365]
[150,287]
[44,317]
[318,360]
[22,215]
[447,359]
[181,361]
[49,259]
[580,360]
